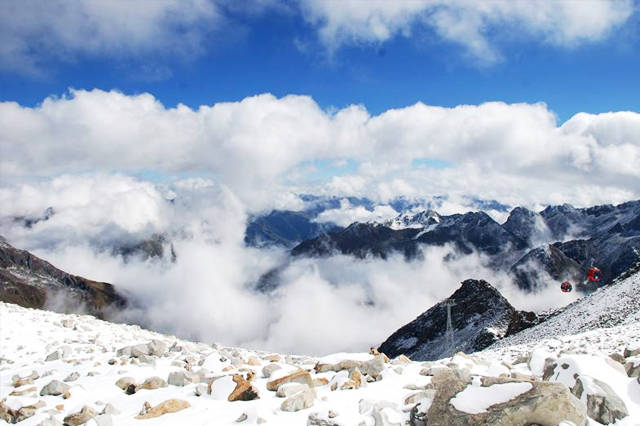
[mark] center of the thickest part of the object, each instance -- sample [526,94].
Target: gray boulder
[373,367]
[182,378]
[55,388]
[72,377]
[632,368]
[546,403]
[269,369]
[603,404]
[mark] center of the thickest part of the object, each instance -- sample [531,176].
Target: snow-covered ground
[609,306]
[86,354]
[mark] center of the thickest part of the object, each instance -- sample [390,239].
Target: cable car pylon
[449,331]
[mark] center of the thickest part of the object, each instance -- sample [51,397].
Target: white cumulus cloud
[475,25]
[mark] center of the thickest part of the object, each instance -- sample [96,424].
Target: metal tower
[449,332]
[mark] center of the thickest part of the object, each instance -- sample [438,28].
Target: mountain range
[535,248]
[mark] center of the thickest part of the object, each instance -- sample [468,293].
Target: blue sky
[524,102]
[280,52]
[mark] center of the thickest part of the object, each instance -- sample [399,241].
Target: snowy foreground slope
[608,306]
[58,368]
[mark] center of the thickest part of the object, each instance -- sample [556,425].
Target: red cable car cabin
[593,274]
[566,287]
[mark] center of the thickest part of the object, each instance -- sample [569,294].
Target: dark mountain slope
[31,282]
[481,316]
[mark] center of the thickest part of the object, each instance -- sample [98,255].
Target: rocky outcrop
[480,317]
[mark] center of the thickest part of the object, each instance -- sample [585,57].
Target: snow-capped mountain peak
[420,219]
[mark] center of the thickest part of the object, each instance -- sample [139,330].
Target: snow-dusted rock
[384,413]
[15,416]
[168,406]
[629,352]
[269,369]
[81,417]
[53,356]
[201,389]
[603,404]
[632,367]
[504,403]
[181,378]
[244,390]
[288,389]
[300,400]
[110,409]
[152,383]
[339,366]
[72,377]
[322,419]
[373,367]
[55,388]
[300,376]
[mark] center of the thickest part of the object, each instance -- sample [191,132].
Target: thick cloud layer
[515,153]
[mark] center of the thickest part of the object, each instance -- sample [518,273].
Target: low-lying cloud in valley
[208,292]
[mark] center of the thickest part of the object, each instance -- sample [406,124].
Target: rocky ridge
[555,244]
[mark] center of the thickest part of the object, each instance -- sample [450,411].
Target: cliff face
[29,281]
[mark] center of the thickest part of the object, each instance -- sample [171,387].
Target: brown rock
[617,357]
[355,380]
[401,359]
[342,365]
[21,392]
[300,376]
[320,381]
[81,417]
[166,407]
[253,360]
[244,390]
[632,368]
[152,383]
[124,382]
